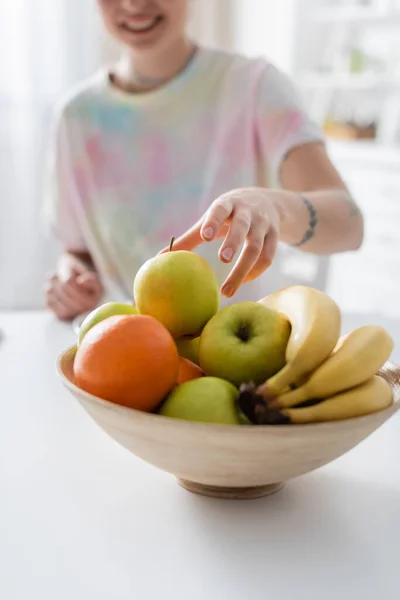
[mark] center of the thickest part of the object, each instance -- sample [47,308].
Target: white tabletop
[82,519]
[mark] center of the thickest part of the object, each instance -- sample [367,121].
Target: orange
[188,371]
[131,360]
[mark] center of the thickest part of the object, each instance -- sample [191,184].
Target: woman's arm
[314,212]
[317,211]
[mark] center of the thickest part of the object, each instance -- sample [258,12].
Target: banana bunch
[370,397]
[325,378]
[356,359]
[316,320]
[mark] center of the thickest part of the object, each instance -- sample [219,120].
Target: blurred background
[345,56]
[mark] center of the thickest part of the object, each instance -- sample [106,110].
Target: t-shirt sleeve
[60,197]
[282,121]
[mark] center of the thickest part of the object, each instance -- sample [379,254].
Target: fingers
[221,210]
[266,257]
[246,220]
[91,283]
[61,311]
[238,230]
[192,239]
[58,305]
[189,241]
[69,299]
[213,225]
[248,258]
[57,308]
[68,293]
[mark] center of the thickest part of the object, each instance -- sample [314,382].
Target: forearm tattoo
[312,224]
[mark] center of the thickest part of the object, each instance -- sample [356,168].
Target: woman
[177,134]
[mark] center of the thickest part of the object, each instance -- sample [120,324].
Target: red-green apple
[103,312]
[244,343]
[206,400]
[180,290]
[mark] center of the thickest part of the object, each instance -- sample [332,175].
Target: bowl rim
[146,416]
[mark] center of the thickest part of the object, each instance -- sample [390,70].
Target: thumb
[190,240]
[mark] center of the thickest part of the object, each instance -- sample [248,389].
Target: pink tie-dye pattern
[234,148]
[175,228]
[155,180]
[108,167]
[199,144]
[81,183]
[154,151]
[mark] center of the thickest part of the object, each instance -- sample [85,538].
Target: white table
[82,519]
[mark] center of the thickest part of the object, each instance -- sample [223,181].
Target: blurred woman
[186,141]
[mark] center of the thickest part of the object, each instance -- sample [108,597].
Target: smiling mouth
[142,26]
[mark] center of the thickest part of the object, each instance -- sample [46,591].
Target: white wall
[44,53]
[267,28]
[212,22]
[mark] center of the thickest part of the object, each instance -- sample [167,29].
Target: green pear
[244,343]
[103,312]
[206,400]
[180,290]
[189,349]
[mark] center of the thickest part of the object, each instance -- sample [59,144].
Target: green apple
[180,290]
[244,343]
[103,312]
[189,348]
[206,400]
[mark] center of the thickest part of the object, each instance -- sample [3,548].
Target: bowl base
[230,493]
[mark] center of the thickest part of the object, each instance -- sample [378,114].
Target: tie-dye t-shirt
[130,171]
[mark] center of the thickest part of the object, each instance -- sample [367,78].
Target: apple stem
[171,244]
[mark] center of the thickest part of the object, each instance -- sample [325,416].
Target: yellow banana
[370,397]
[357,357]
[315,320]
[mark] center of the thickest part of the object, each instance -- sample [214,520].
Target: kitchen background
[345,55]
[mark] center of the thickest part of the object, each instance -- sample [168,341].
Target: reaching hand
[248,219]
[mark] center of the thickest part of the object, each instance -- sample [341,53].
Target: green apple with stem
[244,343]
[179,289]
[110,309]
[205,400]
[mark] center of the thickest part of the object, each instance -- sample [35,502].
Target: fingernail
[227,254]
[228,291]
[208,233]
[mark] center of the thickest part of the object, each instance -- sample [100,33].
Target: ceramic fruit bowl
[228,461]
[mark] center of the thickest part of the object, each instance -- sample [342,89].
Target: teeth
[142,26]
